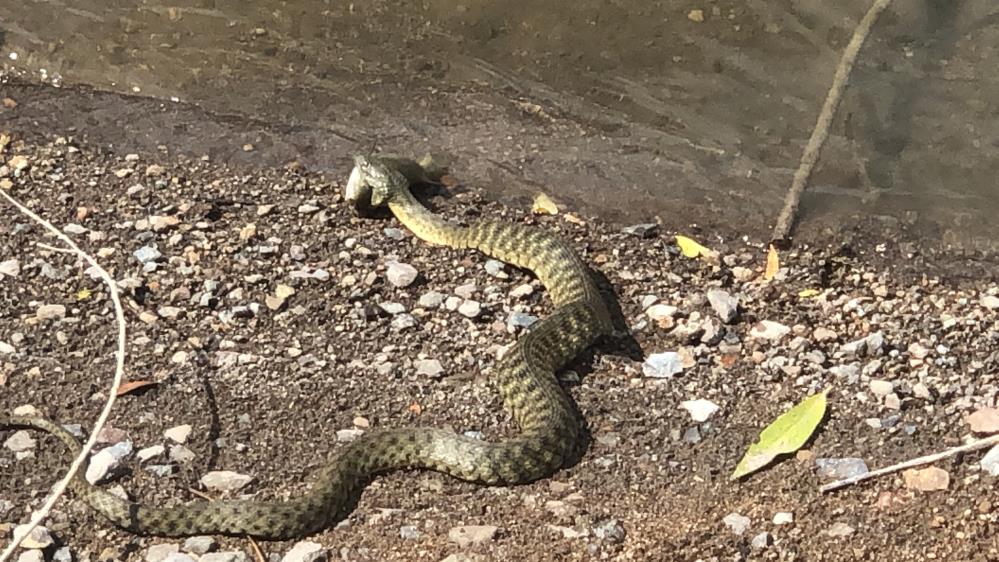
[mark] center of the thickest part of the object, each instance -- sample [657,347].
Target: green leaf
[785,435]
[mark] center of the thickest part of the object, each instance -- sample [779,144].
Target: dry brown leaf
[773,264]
[984,420]
[132,386]
[926,479]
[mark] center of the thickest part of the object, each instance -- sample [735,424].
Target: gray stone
[392,308]
[496,269]
[725,305]
[159,552]
[610,530]
[662,365]
[348,435]
[428,367]
[400,274]
[32,555]
[769,330]
[39,537]
[62,554]
[403,321]
[644,230]
[761,541]
[394,233]
[20,441]
[199,545]
[106,461]
[225,480]
[990,461]
[50,312]
[881,387]
[147,254]
[520,320]
[178,434]
[737,523]
[305,551]
[659,312]
[409,532]
[467,535]
[840,467]
[466,291]
[470,309]
[10,268]
[431,299]
[224,556]
[840,530]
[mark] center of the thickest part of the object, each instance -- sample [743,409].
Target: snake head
[372,184]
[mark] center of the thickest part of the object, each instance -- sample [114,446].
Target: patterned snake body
[550,426]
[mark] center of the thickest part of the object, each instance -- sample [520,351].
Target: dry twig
[918,461]
[60,488]
[810,156]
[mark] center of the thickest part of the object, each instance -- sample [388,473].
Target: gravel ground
[276,325]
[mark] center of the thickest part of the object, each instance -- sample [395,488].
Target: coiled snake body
[550,427]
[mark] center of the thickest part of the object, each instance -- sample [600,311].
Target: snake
[550,426]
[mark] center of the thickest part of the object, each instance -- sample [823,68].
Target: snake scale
[525,376]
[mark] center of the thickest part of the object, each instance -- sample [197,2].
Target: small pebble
[428,367]
[225,480]
[106,461]
[700,409]
[644,230]
[20,441]
[520,320]
[409,532]
[159,552]
[472,534]
[496,269]
[725,305]
[39,537]
[662,365]
[199,545]
[990,461]
[783,518]
[737,523]
[403,321]
[470,309]
[225,556]
[50,312]
[400,274]
[348,435]
[760,541]
[305,551]
[838,468]
[769,330]
[147,254]
[610,530]
[431,299]
[840,530]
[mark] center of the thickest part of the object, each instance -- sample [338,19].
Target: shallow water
[633,108]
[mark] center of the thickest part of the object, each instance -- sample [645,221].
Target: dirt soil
[266,390]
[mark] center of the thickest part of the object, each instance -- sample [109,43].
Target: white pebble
[700,409]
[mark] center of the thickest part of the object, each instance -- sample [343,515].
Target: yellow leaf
[786,434]
[83,294]
[773,264]
[808,293]
[691,248]
[543,205]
